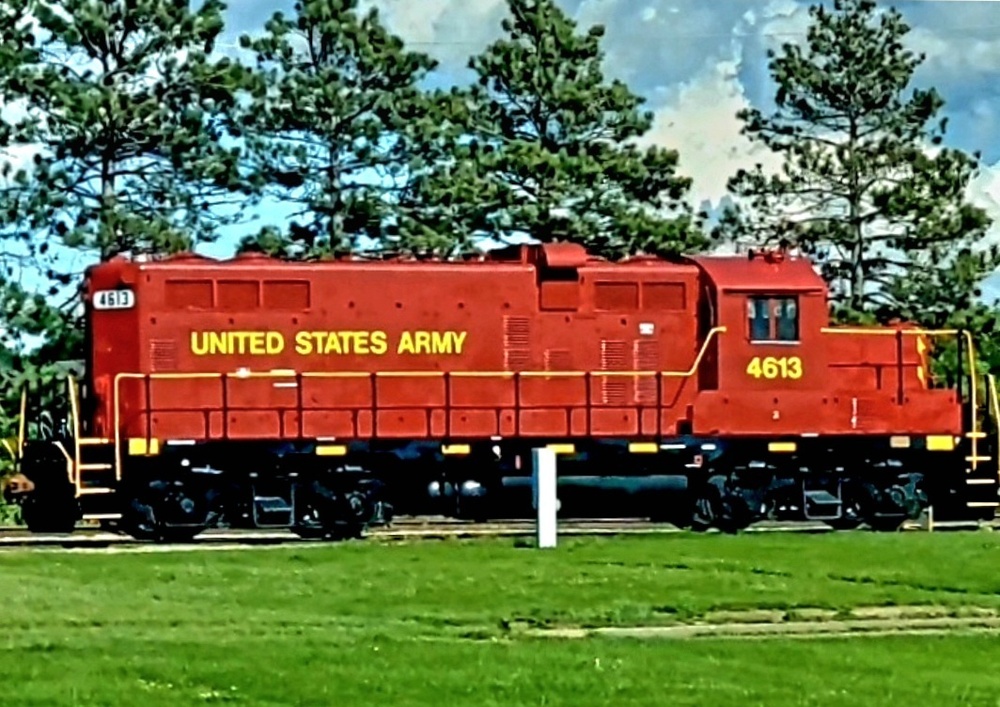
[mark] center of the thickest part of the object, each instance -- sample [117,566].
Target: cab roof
[767,272]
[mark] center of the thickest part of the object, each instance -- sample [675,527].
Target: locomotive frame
[696,472]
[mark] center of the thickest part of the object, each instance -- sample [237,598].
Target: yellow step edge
[139,446]
[781,447]
[940,443]
[643,447]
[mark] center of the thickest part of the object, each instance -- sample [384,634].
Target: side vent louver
[614,357]
[645,357]
[516,343]
[163,355]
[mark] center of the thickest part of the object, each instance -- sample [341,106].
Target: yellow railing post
[21,423]
[994,408]
[74,411]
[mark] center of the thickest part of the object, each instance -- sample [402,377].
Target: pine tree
[111,141]
[867,188]
[544,146]
[332,126]
[125,112]
[36,370]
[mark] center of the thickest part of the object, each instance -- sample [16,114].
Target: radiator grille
[516,343]
[646,357]
[163,355]
[614,357]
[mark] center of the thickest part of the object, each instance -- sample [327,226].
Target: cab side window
[773,318]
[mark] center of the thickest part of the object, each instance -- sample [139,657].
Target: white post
[543,487]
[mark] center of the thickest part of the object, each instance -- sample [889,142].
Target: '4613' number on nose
[775,367]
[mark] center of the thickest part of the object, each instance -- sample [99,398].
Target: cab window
[773,318]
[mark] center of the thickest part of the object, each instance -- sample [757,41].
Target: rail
[995,405]
[447,376]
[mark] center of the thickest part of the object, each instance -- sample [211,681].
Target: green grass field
[445,623]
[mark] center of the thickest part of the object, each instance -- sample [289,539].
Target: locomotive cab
[773,309]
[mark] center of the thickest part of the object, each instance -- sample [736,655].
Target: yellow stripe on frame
[455,449]
[331,450]
[643,447]
[781,447]
[899,442]
[139,446]
[940,443]
[562,448]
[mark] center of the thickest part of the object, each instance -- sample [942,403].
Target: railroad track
[402,529]
[12,538]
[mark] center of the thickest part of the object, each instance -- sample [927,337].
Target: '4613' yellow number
[773,367]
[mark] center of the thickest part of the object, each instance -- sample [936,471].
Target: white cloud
[449,30]
[785,21]
[656,43]
[698,116]
[948,51]
[984,192]
[700,122]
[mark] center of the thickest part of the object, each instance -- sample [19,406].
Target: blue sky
[698,62]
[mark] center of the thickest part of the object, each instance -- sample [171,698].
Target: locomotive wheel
[721,508]
[53,512]
[852,514]
[331,513]
[164,511]
[46,496]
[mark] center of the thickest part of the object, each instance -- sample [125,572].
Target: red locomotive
[321,397]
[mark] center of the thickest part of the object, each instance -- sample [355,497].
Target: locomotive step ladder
[94,473]
[821,503]
[982,470]
[95,468]
[273,503]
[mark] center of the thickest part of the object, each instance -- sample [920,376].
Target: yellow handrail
[970,348]
[285,373]
[21,424]
[974,387]
[74,406]
[888,332]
